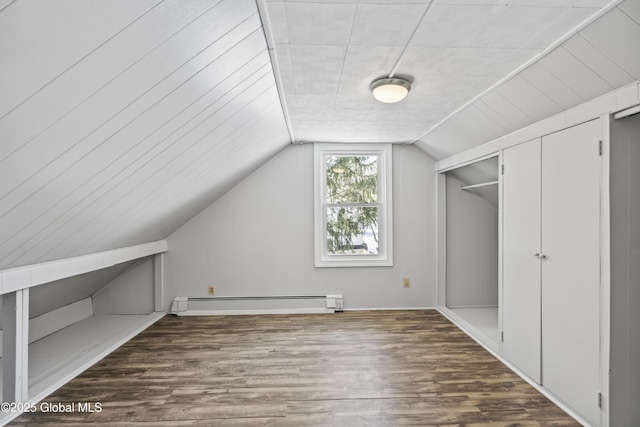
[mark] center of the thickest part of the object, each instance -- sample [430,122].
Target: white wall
[53,295]
[258,239]
[625,271]
[132,292]
[472,248]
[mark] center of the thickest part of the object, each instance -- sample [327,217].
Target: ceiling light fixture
[390,89]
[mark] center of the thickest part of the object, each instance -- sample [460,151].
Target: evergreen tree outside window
[353,205]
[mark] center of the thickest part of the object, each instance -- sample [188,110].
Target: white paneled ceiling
[329,52]
[120,120]
[600,56]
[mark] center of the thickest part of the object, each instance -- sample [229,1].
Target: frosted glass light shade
[390,90]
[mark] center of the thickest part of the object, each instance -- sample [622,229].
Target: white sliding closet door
[521,266]
[571,170]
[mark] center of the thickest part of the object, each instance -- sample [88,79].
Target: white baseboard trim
[546,393]
[289,311]
[454,307]
[253,312]
[391,309]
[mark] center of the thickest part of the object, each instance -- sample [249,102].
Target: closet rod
[627,112]
[484,184]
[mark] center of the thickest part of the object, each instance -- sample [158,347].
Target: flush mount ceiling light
[390,89]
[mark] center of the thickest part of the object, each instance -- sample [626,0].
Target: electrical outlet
[212,290]
[406,282]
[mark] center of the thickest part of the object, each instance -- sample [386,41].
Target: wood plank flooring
[369,368]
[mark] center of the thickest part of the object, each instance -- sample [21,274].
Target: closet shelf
[482,184]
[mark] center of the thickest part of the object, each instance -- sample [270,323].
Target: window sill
[344,262]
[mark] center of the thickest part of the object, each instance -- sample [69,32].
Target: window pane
[352,230]
[352,179]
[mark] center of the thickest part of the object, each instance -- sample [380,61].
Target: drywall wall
[472,246]
[625,271]
[132,292]
[50,296]
[258,239]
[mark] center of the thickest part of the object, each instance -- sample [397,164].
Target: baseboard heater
[271,304]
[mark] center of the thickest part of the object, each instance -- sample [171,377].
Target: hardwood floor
[366,368]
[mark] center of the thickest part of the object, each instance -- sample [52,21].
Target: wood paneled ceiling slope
[120,120]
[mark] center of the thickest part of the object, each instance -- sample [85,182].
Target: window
[353,215]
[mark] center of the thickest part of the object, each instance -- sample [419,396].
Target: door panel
[521,268]
[571,168]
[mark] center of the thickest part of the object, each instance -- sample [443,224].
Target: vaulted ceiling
[328,54]
[591,60]
[120,120]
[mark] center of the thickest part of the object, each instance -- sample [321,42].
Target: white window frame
[385,202]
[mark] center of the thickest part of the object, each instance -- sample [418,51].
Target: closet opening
[472,233]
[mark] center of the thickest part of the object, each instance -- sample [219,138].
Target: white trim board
[254,312]
[37,274]
[292,311]
[391,309]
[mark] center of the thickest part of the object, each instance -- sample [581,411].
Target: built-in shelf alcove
[471,216]
[59,318]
